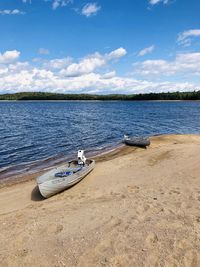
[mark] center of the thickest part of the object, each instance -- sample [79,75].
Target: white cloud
[43,51]
[11,12]
[155,2]
[146,50]
[43,80]
[58,63]
[3,70]
[86,65]
[60,3]
[185,37]
[90,9]
[9,56]
[92,62]
[188,63]
[54,3]
[26,1]
[64,76]
[120,52]
[18,66]
[109,75]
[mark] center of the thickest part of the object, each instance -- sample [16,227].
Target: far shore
[138,207]
[88,100]
[139,96]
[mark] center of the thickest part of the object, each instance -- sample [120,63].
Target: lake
[38,134]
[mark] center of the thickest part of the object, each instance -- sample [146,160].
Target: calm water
[34,133]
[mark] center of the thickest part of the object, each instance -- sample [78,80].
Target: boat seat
[69,171]
[63,174]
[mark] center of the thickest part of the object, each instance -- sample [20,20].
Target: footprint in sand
[52,228]
[114,222]
[173,191]
[82,196]
[98,255]
[183,244]
[151,239]
[118,194]
[22,252]
[133,189]
[119,260]
[198,219]
[143,209]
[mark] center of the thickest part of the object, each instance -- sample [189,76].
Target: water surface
[34,133]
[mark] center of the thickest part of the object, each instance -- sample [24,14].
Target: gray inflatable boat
[136,141]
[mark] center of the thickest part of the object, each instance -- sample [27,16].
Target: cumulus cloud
[9,56]
[37,79]
[120,52]
[109,75]
[188,63]
[58,63]
[186,37]
[11,12]
[146,50]
[86,65]
[155,2]
[90,9]
[60,3]
[18,66]
[92,62]
[65,76]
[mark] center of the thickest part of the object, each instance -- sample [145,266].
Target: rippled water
[32,133]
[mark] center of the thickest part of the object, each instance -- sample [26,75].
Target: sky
[100,47]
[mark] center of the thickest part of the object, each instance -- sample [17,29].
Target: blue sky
[100,46]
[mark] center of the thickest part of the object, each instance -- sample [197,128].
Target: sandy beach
[139,207]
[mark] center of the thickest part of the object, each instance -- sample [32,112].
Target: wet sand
[139,207]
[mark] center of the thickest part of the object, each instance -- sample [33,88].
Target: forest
[195,95]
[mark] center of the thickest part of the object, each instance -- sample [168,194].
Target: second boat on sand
[136,141]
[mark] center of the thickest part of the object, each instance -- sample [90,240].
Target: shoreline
[88,100]
[107,154]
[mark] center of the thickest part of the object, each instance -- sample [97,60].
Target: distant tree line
[195,95]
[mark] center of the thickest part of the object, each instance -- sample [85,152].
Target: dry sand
[137,208]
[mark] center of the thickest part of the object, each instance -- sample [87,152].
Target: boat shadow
[35,194]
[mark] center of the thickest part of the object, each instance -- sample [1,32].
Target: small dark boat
[136,141]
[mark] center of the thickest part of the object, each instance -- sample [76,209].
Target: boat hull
[137,141]
[50,185]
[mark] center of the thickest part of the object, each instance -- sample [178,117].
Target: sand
[139,207]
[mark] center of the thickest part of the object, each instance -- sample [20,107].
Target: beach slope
[139,207]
